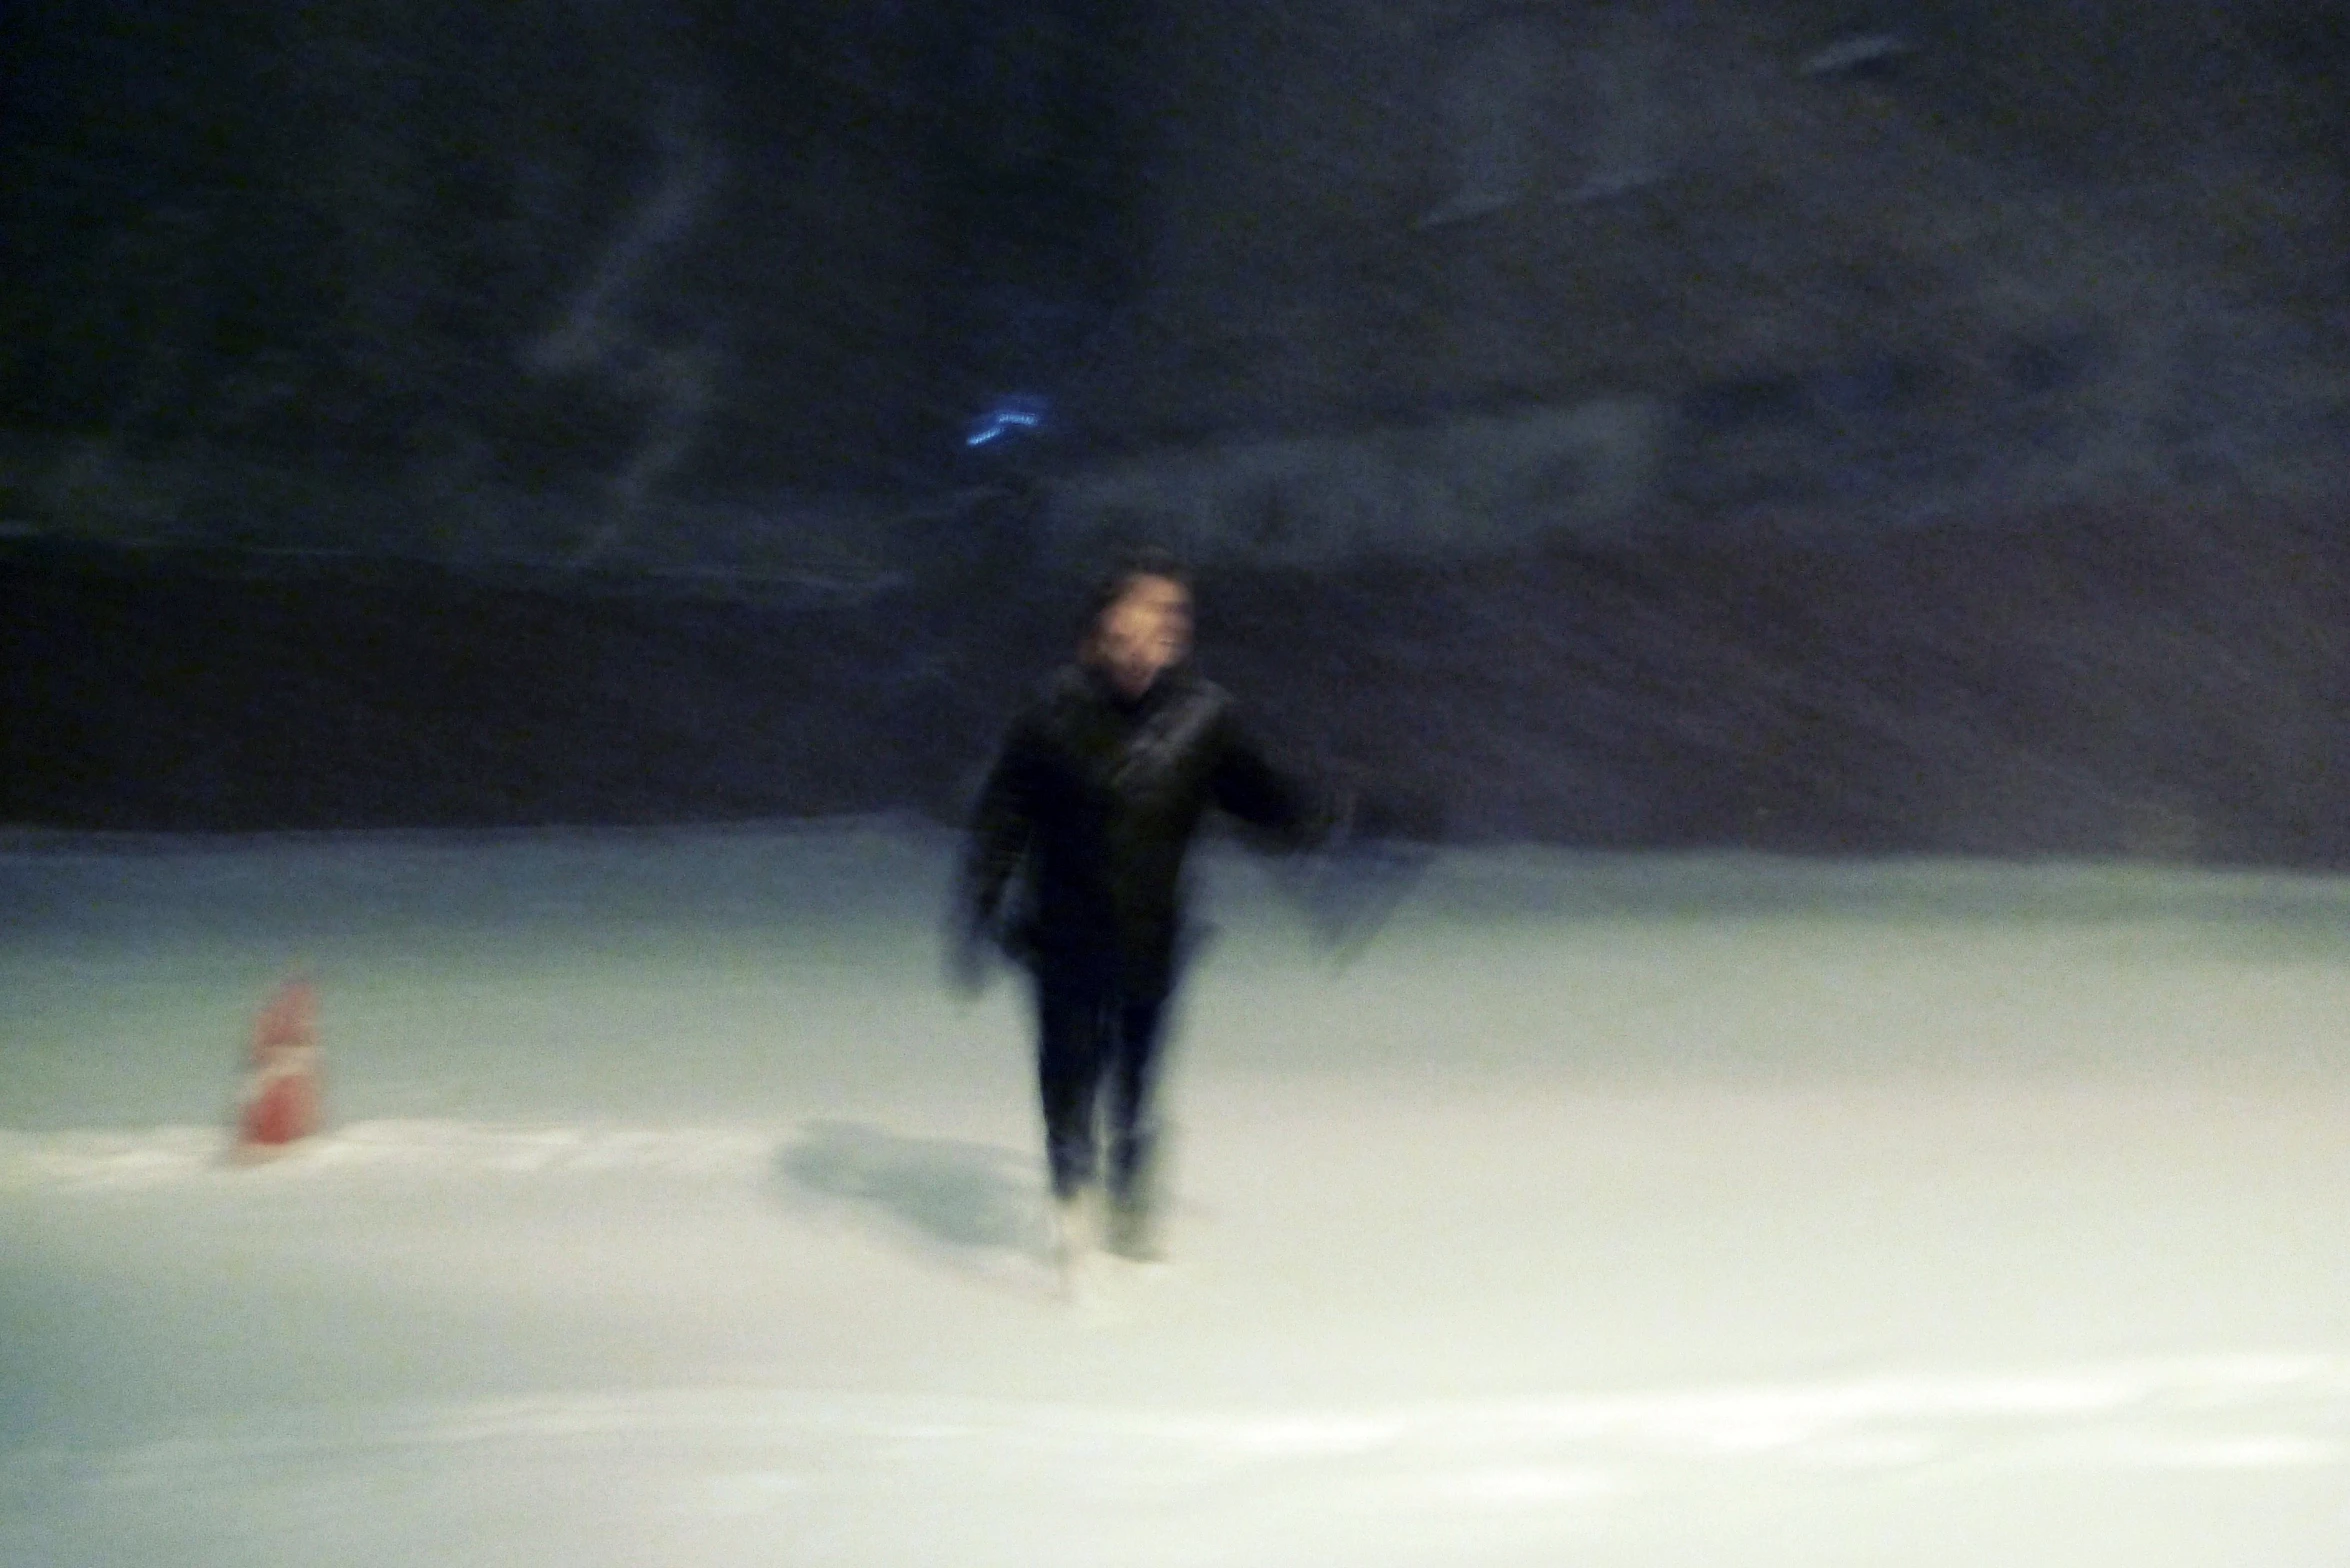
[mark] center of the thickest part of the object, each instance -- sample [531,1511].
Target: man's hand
[970,960]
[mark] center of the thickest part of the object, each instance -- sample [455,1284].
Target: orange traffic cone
[281,1090]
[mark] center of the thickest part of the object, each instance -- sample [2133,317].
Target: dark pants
[1097,1060]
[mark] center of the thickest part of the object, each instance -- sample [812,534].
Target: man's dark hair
[1131,568]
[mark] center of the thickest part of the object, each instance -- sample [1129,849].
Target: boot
[1077,1231]
[1133,1231]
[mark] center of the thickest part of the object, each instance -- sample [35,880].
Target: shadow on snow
[973,1202]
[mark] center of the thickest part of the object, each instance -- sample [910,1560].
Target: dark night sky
[734,248]
[347,229]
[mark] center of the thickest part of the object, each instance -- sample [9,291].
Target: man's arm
[1246,783]
[1002,825]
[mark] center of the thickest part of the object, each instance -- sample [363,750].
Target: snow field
[1606,1209]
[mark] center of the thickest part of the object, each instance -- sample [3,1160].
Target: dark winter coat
[1089,811]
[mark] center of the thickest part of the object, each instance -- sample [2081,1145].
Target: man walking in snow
[1075,866]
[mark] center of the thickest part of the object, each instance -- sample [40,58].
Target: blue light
[1017,413]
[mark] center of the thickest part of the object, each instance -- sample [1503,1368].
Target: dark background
[1799,425]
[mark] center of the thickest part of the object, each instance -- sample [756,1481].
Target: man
[1089,809]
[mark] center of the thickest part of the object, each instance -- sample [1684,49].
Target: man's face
[1145,629]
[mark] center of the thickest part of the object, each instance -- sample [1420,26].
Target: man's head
[1140,625]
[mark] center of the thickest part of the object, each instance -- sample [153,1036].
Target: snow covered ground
[1604,1211]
